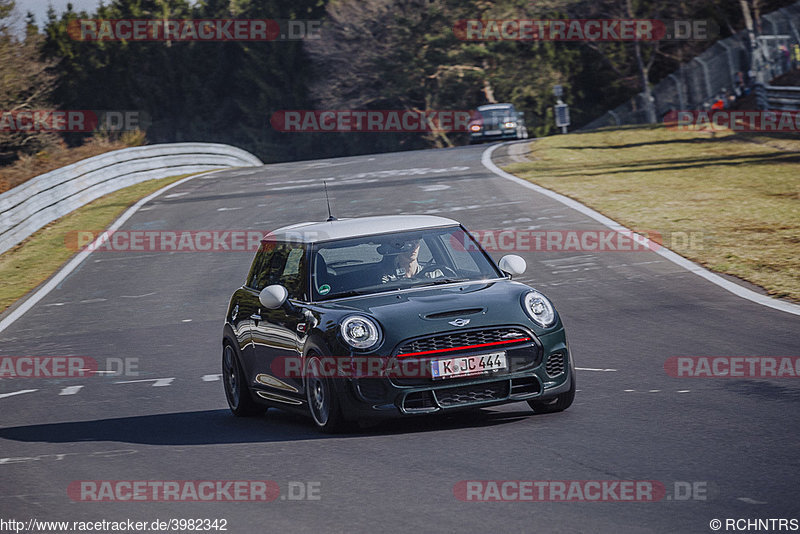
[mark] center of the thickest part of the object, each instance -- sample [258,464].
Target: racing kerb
[37,202]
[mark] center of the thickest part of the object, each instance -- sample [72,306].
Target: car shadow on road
[220,427]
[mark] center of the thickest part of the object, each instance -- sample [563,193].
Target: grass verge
[34,260]
[737,194]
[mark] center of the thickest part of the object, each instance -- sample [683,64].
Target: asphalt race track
[736,442]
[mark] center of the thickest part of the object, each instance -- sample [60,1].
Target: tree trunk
[644,74]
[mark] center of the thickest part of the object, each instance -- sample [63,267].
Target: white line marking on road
[79,258]
[629,390]
[21,392]
[330,164]
[684,391]
[186,320]
[645,262]
[126,257]
[138,296]
[57,304]
[211,378]
[157,382]
[230,209]
[176,195]
[736,289]
[592,369]
[748,500]
[576,270]
[92,301]
[655,391]
[435,187]
[71,390]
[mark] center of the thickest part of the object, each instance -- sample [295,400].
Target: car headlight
[360,332]
[539,309]
[510,124]
[475,128]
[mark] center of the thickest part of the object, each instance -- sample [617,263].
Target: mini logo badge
[512,335]
[459,322]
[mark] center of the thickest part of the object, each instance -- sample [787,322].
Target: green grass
[739,193]
[34,260]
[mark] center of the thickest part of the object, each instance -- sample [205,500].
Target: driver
[401,262]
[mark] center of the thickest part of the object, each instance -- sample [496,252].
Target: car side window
[425,255]
[293,274]
[260,264]
[459,250]
[282,264]
[268,269]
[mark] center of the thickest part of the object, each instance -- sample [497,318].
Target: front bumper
[501,134]
[545,374]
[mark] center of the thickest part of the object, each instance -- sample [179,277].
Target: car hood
[425,311]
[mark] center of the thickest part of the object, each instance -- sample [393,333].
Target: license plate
[493,132]
[468,365]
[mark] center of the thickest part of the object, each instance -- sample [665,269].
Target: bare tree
[383,54]
[25,84]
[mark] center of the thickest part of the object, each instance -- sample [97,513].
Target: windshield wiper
[440,281]
[343,294]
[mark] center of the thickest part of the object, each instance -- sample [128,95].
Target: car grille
[474,393]
[456,340]
[555,364]
[522,356]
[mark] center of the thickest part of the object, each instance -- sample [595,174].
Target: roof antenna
[328,200]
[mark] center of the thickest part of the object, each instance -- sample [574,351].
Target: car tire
[236,392]
[559,403]
[324,406]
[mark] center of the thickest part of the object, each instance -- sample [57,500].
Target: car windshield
[497,114]
[374,264]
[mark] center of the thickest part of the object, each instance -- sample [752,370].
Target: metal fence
[784,98]
[37,202]
[701,81]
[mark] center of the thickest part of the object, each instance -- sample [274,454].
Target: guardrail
[784,98]
[41,200]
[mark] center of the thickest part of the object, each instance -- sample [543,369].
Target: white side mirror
[273,297]
[512,264]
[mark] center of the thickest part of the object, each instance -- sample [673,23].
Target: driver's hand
[436,273]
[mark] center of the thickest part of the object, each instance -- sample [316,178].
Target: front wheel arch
[323,398]
[237,391]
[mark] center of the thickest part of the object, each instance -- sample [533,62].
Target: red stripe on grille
[465,347]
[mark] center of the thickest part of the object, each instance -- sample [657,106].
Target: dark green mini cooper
[377,317]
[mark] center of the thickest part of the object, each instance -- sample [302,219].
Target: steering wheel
[432,268]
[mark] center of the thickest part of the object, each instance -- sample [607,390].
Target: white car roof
[313,232]
[494,106]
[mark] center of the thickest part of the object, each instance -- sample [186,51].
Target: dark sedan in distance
[494,122]
[376,317]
